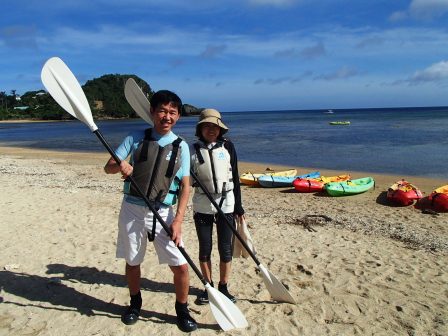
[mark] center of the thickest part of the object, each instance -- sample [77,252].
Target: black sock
[181,309]
[136,301]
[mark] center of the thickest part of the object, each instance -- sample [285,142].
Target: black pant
[204,229]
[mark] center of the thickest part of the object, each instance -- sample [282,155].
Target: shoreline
[426,184]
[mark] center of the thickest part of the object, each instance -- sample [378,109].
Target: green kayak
[350,187]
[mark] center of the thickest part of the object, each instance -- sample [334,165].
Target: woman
[214,161]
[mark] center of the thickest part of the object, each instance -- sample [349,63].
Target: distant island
[105,95]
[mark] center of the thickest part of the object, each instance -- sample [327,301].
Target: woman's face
[210,132]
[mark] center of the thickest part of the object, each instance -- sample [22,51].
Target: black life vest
[155,169]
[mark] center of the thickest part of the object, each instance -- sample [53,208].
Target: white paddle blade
[226,313]
[138,101]
[278,292]
[65,89]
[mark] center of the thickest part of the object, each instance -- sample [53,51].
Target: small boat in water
[339,122]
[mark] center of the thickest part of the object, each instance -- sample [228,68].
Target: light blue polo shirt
[133,140]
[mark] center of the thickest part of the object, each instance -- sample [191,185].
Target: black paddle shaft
[151,207]
[221,213]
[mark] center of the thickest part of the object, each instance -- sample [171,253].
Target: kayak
[306,185]
[441,190]
[439,199]
[350,187]
[339,122]
[403,193]
[251,179]
[283,181]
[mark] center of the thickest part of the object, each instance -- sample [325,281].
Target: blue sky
[237,55]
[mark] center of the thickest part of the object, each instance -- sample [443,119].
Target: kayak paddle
[66,91]
[133,93]
[275,287]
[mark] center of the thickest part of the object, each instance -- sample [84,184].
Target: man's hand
[176,229]
[125,169]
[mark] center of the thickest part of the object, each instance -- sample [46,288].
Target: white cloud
[428,8]
[434,73]
[314,51]
[213,50]
[19,36]
[307,53]
[279,3]
[370,42]
[422,9]
[342,73]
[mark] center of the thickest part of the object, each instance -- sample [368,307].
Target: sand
[355,265]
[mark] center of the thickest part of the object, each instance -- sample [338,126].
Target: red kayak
[403,193]
[439,202]
[308,185]
[439,199]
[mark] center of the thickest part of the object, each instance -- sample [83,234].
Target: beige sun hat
[211,116]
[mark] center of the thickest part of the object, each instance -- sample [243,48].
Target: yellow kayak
[441,190]
[251,179]
[339,178]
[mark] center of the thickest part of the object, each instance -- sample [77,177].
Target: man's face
[164,117]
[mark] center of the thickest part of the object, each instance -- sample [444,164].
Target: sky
[239,55]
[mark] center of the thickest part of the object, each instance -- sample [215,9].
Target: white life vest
[213,167]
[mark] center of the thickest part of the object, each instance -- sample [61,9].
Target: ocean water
[407,141]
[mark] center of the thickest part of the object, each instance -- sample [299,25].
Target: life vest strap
[148,137]
[170,170]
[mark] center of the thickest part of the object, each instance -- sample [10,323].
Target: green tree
[109,89]
[105,96]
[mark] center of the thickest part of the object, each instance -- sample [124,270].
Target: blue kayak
[283,181]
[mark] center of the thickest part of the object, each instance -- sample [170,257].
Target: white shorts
[134,223]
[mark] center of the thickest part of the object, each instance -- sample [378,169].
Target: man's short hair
[164,97]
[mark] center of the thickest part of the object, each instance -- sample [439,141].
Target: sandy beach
[355,265]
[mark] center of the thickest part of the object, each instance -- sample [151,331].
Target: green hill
[105,95]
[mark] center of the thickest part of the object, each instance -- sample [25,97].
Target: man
[160,165]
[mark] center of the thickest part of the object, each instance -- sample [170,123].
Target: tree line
[105,96]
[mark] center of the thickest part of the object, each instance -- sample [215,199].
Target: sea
[397,141]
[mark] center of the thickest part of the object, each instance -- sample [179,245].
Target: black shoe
[223,289]
[186,323]
[202,299]
[130,316]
